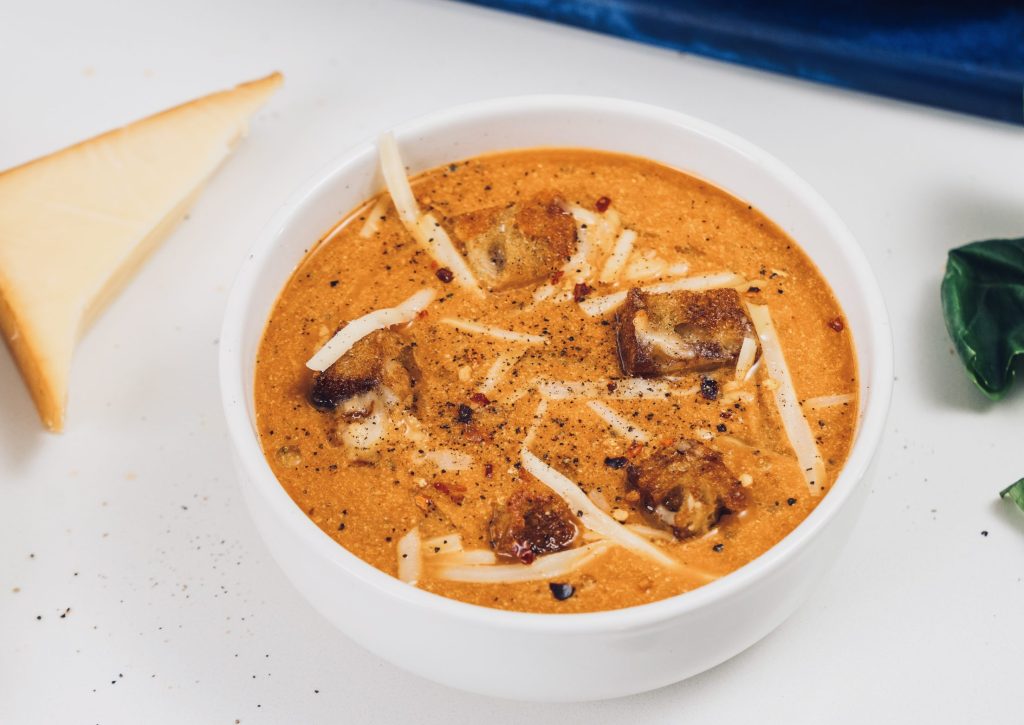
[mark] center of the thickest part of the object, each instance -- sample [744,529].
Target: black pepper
[445,275]
[709,388]
[465,414]
[616,462]
[561,591]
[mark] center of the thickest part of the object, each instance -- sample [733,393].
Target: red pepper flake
[524,554]
[421,314]
[580,291]
[455,491]
[634,450]
[557,277]
[488,470]
[667,441]
[602,204]
[445,275]
[836,323]
[479,399]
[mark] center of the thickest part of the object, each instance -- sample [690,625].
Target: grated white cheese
[423,227]
[446,544]
[595,306]
[548,566]
[589,514]
[495,332]
[745,360]
[499,368]
[797,429]
[538,416]
[372,223]
[614,264]
[470,557]
[410,557]
[619,424]
[448,459]
[359,328]
[827,401]
[650,532]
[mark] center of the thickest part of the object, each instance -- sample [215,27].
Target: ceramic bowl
[556,657]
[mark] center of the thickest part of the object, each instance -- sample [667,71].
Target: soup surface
[648,386]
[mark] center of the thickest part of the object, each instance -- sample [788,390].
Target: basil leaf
[983,303]
[1015,492]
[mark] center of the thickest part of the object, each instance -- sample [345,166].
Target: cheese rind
[75,225]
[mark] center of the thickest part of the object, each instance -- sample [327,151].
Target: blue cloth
[964,56]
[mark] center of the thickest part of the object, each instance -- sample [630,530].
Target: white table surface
[133,587]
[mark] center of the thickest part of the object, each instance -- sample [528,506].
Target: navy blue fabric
[964,56]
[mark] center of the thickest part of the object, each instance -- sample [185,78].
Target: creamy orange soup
[634,384]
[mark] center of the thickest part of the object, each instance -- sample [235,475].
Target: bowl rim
[259,477]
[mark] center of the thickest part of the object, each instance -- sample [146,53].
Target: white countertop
[133,587]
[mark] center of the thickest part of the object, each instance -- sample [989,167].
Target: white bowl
[565,656]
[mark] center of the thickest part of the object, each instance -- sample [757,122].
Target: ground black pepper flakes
[445,275]
[717,548]
[561,591]
[791,501]
[465,414]
[709,388]
[616,462]
[333,283]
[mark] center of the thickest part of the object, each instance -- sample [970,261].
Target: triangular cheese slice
[75,225]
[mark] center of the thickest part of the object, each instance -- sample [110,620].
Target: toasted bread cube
[531,524]
[686,489]
[679,332]
[382,358]
[518,245]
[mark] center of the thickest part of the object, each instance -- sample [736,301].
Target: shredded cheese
[446,544]
[423,227]
[448,459]
[619,424]
[544,567]
[614,264]
[538,416]
[827,401]
[499,368]
[495,332]
[410,561]
[745,360]
[372,223]
[359,328]
[471,557]
[589,514]
[650,532]
[595,306]
[797,429]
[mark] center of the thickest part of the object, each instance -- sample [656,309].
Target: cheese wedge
[75,225]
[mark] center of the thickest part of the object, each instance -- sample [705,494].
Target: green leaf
[983,303]
[1015,492]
